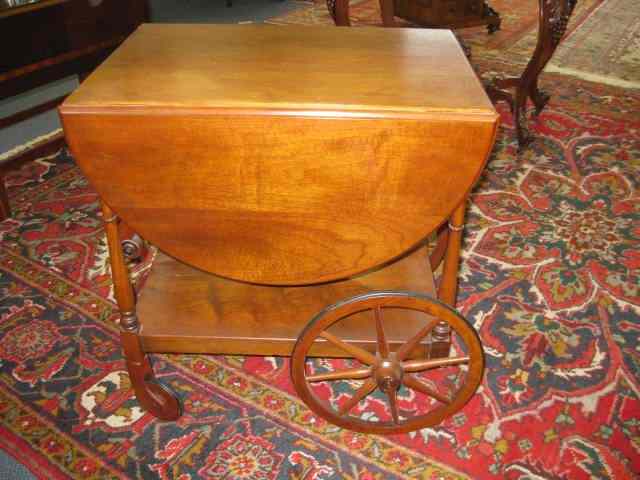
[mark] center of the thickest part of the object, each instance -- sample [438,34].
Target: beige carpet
[605,48]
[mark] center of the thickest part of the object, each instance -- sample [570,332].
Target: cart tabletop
[282,155]
[293,67]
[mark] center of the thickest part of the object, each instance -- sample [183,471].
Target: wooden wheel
[392,375]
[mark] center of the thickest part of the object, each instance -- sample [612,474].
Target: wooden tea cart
[290,178]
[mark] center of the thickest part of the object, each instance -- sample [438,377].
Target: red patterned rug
[550,279]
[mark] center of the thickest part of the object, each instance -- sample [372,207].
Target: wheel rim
[387,371]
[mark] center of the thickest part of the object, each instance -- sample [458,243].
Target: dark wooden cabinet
[29,36]
[86,25]
[46,40]
[38,38]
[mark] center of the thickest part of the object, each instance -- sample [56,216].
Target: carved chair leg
[538,97]
[386,11]
[554,17]
[154,397]
[496,95]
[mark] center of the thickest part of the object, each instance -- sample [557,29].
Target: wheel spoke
[368,387]
[383,346]
[443,384]
[393,404]
[351,373]
[357,352]
[413,342]
[420,365]
[416,384]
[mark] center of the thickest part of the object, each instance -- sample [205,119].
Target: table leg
[447,292]
[154,397]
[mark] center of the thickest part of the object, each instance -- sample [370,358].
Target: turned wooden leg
[437,254]
[447,292]
[154,397]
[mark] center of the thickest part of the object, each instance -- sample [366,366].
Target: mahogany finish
[283,171]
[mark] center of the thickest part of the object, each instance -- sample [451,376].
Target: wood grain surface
[293,67]
[284,155]
[186,310]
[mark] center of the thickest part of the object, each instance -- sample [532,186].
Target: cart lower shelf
[389,322]
[183,309]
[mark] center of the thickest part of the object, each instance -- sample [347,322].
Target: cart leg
[437,254]
[441,335]
[154,397]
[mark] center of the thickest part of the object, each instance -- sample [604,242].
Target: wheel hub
[388,373]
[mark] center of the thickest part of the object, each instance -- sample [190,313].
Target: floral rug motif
[609,46]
